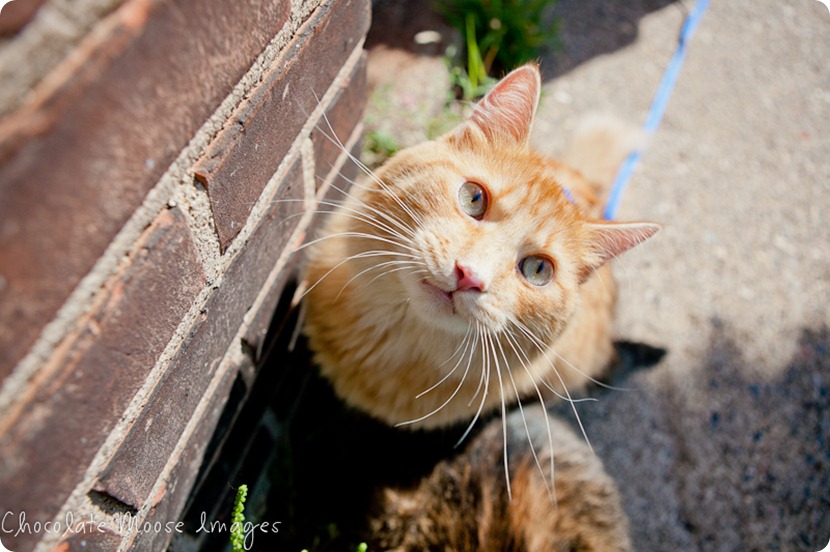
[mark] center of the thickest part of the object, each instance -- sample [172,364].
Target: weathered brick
[269,311]
[343,115]
[131,474]
[235,169]
[341,119]
[346,173]
[48,443]
[262,320]
[336,185]
[91,538]
[74,167]
[15,15]
[338,181]
[169,504]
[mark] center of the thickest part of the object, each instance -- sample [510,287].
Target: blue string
[658,107]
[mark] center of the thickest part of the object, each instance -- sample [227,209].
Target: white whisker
[543,348]
[388,216]
[464,343]
[363,255]
[399,269]
[514,345]
[367,218]
[503,413]
[484,373]
[354,235]
[360,165]
[452,396]
[406,264]
[485,378]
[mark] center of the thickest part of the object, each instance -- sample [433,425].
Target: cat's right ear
[608,240]
[506,113]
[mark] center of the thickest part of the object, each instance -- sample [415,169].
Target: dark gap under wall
[244,443]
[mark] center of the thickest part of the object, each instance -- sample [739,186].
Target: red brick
[268,312]
[347,172]
[242,159]
[92,538]
[74,168]
[170,504]
[341,119]
[48,444]
[265,316]
[344,114]
[337,182]
[140,459]
[335,186]
[15,15]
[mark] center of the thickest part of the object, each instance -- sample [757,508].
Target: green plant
[473,80]
[238,520]
[499,35]
[382,143]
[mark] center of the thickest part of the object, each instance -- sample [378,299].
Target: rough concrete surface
[725,444]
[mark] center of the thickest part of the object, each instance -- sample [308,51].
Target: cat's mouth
[442,298]
[451,310]
[439,295]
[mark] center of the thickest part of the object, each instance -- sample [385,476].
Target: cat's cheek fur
[546,311]
[433,241]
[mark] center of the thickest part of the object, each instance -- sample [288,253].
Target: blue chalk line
[658,107]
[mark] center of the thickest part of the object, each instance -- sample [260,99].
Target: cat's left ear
[506,112]
[610,239]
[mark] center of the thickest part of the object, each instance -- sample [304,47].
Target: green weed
[238,520]
[499,35]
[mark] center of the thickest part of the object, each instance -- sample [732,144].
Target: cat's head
[494,237]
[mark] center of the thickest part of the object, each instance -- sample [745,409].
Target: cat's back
[464,504]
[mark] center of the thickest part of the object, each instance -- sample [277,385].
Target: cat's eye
[473,199]
[536,269]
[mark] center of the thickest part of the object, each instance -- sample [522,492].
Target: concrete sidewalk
[725,445]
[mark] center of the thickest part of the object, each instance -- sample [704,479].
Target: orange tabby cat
[468,272]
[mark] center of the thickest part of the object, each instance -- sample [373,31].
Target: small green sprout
[238,520]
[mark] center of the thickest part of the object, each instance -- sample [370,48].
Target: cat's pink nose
[467,280]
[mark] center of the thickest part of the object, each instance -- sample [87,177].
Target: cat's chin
[437,307]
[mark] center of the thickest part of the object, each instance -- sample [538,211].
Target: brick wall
[157,166]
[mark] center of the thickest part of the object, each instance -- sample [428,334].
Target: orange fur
[380,328]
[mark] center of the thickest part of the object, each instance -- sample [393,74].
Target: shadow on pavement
[719,458]
[587,28]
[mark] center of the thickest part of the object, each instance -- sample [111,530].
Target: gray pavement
[725,444]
